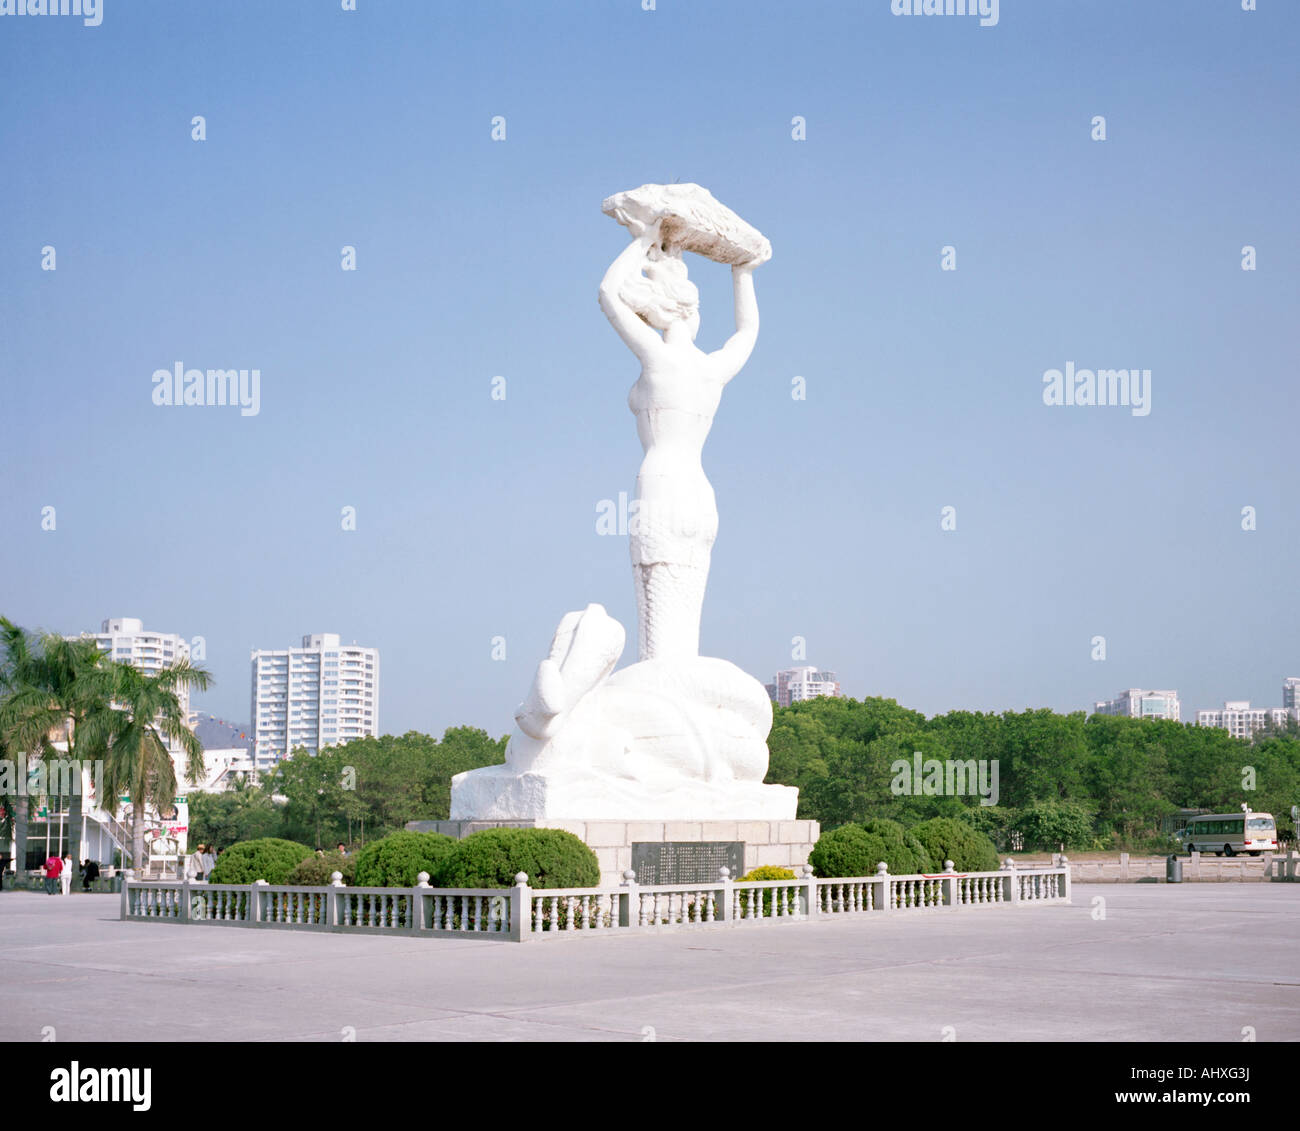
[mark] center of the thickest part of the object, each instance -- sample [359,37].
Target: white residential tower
[319,695]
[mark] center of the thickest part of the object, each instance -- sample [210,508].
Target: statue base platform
[502,793]
[621,846]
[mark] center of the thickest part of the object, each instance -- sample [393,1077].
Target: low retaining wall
[522,913]
[1196,869]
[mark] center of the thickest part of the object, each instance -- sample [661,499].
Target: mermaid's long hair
[663,289]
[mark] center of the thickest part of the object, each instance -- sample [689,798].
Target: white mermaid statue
[675,736]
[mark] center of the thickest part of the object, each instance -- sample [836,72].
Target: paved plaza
[1167,963]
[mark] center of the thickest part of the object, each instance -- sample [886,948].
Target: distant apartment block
[124,640]
[1137,703]
[1291,693]
[796,684]
[319,695]
[1241,720]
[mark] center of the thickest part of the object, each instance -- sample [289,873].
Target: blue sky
[475,518]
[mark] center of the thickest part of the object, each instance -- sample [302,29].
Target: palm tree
[76,681]
[19,733]
[137,762]
[59,686]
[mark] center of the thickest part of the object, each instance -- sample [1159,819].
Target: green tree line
[350,794]
[1096,782]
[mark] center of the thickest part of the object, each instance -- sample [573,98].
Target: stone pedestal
[784,844]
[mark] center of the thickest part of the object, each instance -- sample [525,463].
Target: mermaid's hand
[647,233]
[758,260]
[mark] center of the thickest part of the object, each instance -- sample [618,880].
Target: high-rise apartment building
[319,695]
[796,684]
[1291,693]
[1241,720]
[124,639]
[1137,703]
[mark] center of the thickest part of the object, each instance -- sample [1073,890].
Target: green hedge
[269,859]
[946,838]
[904,854]
[846,851]
[855,850]
[551,858]
[397,860]
[315,871]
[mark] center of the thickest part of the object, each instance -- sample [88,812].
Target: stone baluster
[257,901]
[419,919]
[807,893]
[628,901]
[948,885]
[128,876]
[728,890]
[1010,886]
[1064,891]
[883,895]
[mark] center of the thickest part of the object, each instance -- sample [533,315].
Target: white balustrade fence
[522,913]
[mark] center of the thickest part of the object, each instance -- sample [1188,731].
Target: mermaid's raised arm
[640,338]
[731,358]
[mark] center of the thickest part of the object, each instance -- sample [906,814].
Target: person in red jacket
[53,867]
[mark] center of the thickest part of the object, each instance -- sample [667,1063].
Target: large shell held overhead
[692,219]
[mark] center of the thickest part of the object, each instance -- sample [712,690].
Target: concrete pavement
[1167,963]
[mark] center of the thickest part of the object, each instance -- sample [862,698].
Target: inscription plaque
[686,861]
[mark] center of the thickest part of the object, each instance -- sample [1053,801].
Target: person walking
[194,869]
[89,874]
[53,866]
[209,859]
[65,873]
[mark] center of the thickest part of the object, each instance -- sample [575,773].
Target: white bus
[1226,834]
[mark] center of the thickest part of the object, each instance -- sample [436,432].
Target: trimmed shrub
[847,851]
[946,838]
[766,872]
[270,859]
[315,871]
[398,859]
[855,850]
[904,854]
[551,858]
